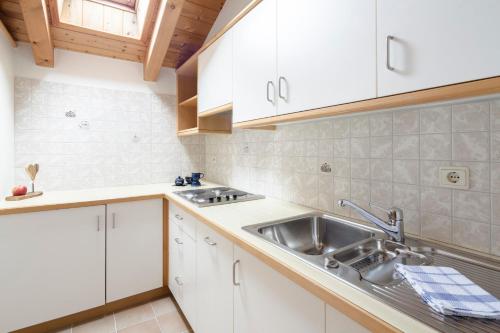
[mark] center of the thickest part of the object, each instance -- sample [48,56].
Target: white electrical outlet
[454,177]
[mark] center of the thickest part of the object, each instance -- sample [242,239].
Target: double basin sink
[363,257]
[339,246]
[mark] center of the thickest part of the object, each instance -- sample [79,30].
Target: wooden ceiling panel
[194,24]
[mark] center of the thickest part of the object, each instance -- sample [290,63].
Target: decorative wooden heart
[32,170]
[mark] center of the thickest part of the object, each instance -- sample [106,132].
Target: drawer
[184,220]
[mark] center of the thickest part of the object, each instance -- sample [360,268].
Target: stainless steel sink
[311,235]
[374,259]
[364,258]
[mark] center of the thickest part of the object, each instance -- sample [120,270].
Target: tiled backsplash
[388,158]
[116,137]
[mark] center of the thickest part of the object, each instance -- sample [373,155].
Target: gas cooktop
[217,196]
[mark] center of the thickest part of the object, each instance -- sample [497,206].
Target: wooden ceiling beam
[6,33]
[37,24]
[168,15]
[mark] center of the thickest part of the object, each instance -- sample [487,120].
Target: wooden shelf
[190,102]
[196,130]
[221,109]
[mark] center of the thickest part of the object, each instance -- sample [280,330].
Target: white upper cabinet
[215,74]
[267,302]
[435,43]
[214,285]
[254,40]
[134,248]
[326,53]
[52,265]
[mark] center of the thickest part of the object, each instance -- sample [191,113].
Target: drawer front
[175,255]
[184,220]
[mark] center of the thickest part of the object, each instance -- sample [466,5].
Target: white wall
[6,117]
[231,9]
[90,70]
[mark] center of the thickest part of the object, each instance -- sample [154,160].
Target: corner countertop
[229,219]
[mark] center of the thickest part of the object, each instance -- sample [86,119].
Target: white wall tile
[435,147]
[472,205]
[437,227]
[435,200]
[435,120]
[471,234]
[471,146]
[406,147]
[407,122]
[471,117]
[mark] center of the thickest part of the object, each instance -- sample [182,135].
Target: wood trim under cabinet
[87,315]
[363,317]
[439,94]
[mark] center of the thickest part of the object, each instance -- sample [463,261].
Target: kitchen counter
[229,220]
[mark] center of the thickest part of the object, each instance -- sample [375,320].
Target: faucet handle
[395,214]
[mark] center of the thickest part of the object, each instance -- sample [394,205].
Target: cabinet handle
[98,223]
[114,221]
[388,52]
[269,99]
[180,218]
[178,281]
[178,241]
[282,78]
[234,272]
[209,242]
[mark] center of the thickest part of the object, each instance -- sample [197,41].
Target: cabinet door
[188,281]
[337,322]
[436,42]
[326,53]
[175,254]
[215,74]
[52,265]
[214,285]
[254,40]
[134,258]
[263,292]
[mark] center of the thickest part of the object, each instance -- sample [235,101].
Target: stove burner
[216,196]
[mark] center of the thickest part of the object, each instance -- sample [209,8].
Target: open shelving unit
[188,120]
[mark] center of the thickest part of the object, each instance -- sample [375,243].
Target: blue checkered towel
[449,292]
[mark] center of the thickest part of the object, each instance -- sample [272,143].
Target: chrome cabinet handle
[178,281]
[209,242]
[178,241]
[114,221]
[234,272]
[282,78]
[98,223]
[269,99]
[388,52]
[180,218]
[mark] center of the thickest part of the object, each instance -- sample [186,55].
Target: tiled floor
[160,316]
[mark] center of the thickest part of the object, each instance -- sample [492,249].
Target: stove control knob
[235,197]
[219,199]
[211,200]
[228,198]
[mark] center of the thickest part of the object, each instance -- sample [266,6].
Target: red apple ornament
[19,190]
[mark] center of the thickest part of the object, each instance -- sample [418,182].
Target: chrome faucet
[393,228]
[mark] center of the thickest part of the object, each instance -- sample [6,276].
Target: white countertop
[230,218]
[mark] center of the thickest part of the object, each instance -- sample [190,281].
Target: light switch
[454,177]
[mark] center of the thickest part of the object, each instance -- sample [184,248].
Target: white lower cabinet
[267,302]
[52,265]
[214,300]
[337,322]
[182,262]
[134,245]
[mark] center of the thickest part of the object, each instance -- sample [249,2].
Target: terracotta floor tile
[163,306]
[172,323]
[102,325]
[134,316]
[150,326]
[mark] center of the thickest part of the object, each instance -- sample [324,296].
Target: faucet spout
[394,228]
